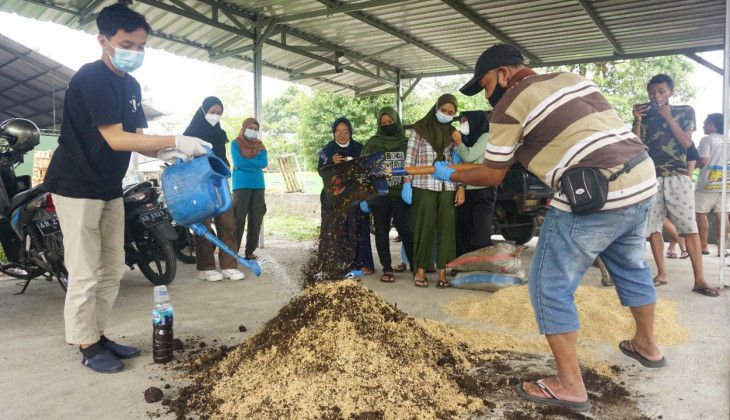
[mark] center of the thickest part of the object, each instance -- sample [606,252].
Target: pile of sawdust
[602,318]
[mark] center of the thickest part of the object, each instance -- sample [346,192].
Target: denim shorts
[570,243]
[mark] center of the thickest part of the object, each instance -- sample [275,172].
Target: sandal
[684,255]
[707,291]
[387,277]
[671,254]
[420,283]
[658,283]
[400,268]
[705,252]
[627,348]
[551,399]
[366,271]
[251,256]
[443,284]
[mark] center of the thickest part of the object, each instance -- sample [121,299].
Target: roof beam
[599,22]
[478,20]
[410,89]
[300,76]
[198,17]
[378,24]
[228,53]
[86,14]
[348,7]
[705,63]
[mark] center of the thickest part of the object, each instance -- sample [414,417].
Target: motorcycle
[148,233]
[29,230]
[185,244]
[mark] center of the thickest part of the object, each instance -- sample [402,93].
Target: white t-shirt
[710,178]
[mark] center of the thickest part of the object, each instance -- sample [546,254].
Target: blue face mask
[252,134]
[443,118]
[126,61]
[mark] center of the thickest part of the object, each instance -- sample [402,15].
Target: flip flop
[707,291]
[387,278]
[658,283]
[420,283]
[641,359]
[705,252]
[551,399]
[684,255]
[443,284]
[400,268]
[671,255]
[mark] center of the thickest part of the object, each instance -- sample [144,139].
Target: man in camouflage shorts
[667,132]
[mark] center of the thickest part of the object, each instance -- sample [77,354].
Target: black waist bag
[587,188]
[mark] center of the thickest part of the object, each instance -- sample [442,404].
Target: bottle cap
[161,294]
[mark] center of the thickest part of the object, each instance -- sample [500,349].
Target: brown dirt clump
[602,318]
[152,394]
[339,351]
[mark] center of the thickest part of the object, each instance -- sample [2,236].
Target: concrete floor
[42,376]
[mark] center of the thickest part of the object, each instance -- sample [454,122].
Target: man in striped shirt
[552,123]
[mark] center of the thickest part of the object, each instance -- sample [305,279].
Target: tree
[280,123]
[624,82]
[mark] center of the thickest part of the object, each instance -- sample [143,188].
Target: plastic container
[162,318]
[197,190]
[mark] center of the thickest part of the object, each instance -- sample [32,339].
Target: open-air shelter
[371,47]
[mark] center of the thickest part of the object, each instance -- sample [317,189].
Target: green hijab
[382,142]
[438,135]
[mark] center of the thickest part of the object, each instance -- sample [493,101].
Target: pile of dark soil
[340,351]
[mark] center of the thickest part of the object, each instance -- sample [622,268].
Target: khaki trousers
[225,230]
[93,243]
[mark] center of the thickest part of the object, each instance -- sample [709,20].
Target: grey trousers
[248,203]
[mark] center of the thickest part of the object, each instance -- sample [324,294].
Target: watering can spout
[201,230]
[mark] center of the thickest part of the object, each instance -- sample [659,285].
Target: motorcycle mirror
[22,135]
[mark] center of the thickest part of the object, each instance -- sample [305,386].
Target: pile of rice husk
[602,318]
[339,351]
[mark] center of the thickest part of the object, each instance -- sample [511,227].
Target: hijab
[437,134]
[201,128]
[388,142]
[249,147]
[353,148]
[478,125]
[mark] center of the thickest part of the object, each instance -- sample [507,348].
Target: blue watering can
[197,190]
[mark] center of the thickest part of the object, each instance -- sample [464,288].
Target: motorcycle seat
[133,188]
[25,196]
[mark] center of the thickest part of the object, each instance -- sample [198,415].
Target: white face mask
[213,119]
[252,134]
[464,128]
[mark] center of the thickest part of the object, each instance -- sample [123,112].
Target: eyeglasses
[342,133]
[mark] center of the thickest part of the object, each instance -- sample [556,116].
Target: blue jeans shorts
[569,244]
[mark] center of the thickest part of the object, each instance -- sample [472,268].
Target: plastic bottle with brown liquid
[162,326]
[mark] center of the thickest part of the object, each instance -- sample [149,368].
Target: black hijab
[478,125]
[213,134]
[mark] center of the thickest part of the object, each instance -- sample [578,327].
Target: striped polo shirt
[555,122]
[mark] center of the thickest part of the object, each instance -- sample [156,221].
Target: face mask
[443,118]
[389,129]
[212,118]
[496,95]
[464,128]
[126,61]
[252,134]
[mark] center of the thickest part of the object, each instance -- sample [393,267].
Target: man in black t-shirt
[102,123]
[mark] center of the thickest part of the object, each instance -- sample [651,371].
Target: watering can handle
[208,151]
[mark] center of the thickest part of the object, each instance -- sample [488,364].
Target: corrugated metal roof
[359,47]
[33,86]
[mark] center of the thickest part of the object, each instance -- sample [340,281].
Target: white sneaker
[209,275]
[233,274]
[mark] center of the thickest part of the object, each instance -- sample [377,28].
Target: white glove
[171,155]
[191,146]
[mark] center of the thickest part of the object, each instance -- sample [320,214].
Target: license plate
[48,226]
[154,218]
[530,202]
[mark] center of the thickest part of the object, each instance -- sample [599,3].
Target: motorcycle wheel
[520,229]
[157,258]
[54,246]
[184,245]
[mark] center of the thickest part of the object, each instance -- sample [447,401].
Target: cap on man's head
[493,57]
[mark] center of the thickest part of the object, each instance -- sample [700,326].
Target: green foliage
[624,82]
[291,226]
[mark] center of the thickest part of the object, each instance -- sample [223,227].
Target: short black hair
[718,121]
[118,16]
[661,78]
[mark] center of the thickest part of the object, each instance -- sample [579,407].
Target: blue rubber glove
[364,206]
[443,172]
[455,157]
[407,193]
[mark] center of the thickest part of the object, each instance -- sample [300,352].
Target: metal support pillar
[398,95]
[726,141]
[257,98]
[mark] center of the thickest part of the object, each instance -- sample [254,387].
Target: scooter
[148,233]
[29,230]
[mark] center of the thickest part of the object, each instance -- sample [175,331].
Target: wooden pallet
[289,167]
